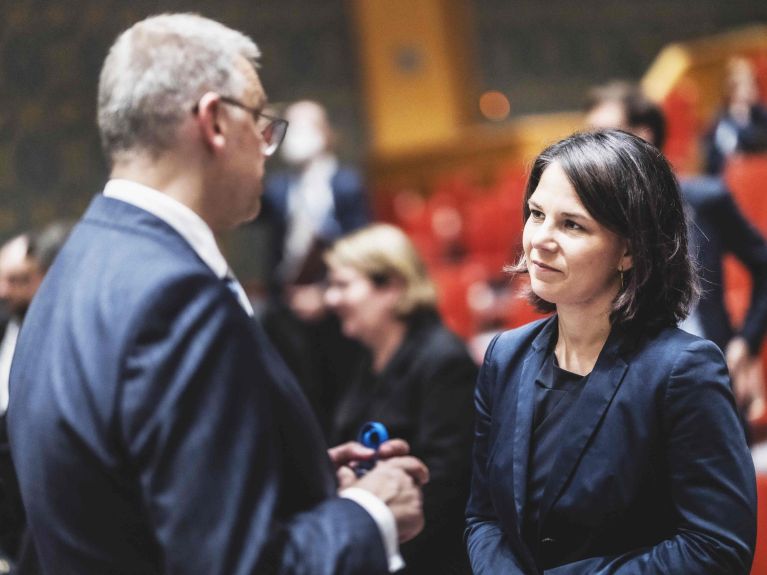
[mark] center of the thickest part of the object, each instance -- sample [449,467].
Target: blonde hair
[383,252]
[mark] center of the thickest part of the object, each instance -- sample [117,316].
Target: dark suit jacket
[155,431]
[349,200]
[717,228]
[424,396]
[11,509]
[749,138]
[652,476]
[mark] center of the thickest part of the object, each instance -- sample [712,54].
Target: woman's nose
[543,238]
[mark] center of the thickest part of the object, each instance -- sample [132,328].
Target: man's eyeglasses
[274,132]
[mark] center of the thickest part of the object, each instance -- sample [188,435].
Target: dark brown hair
[628,187]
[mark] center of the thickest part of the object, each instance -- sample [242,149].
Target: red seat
[746,176]
[683,127]
[759,566]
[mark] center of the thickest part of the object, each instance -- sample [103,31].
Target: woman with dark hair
[607,439]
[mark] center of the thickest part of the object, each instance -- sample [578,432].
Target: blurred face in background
[607,114]
[572,259]
[308,136]
[363,307]
[20,276]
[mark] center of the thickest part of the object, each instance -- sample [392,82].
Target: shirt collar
[182,219]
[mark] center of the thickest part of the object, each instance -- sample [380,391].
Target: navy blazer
[155,431]
[652,476]
[717,228]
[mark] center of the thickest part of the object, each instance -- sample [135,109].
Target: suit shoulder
[704,191]
[673,348]
[509,343]
[347,178]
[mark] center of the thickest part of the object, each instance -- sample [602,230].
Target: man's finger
[393,448]
[413,466]
[347,452]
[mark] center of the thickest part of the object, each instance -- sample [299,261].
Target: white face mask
[302,143]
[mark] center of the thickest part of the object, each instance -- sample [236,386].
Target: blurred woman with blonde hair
[417,379]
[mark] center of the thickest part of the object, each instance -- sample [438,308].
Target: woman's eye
[571,225]
[536,214]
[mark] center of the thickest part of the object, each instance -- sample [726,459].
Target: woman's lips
[543,267]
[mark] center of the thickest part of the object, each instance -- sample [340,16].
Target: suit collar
[525,409]
[516,427]
[587,413]
[181,218]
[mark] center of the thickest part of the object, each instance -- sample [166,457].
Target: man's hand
[397,482]
[746,375]
[346,455]
[306,301]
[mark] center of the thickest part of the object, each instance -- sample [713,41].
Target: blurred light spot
[494,105]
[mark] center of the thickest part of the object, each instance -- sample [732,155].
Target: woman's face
[573,260]
[362,307]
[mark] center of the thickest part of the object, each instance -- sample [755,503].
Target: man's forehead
[255,90]
[14,251]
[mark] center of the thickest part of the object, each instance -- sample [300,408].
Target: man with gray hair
[153,428]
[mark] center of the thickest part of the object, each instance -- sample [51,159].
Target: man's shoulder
[347,179]
[703,191]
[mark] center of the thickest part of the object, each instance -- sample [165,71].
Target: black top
[425,396]
[556,391]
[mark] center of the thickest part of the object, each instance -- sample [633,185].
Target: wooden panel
[415,82]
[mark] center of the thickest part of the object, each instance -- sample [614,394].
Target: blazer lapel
[602,383]
[516,426]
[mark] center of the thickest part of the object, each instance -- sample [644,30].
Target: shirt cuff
[384,518]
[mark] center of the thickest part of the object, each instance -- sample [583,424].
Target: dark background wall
[542,54]
[50,56]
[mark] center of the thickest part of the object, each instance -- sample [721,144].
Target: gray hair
[155,72]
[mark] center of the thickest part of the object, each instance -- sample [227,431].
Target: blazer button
[548,541]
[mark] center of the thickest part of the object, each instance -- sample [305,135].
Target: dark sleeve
[748,245]
[198,424]
[711,475]
[752,137]
[444,438]
[352,209]
[489,548]
[714,162]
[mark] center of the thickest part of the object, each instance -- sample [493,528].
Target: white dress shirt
[198,234]
[7,347]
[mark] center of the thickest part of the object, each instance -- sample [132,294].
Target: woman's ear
[627,261]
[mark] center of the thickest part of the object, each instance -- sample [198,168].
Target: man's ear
[209,120]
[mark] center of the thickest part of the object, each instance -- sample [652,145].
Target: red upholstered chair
[760,559]
[746,176]
[683,127]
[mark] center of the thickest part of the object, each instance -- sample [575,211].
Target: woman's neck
[580,340]
[386,342]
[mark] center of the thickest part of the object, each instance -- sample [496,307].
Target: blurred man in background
[717,227]
[24,260]
[307,207]
[20,276]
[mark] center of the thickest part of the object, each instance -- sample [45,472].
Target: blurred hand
[754,375]
[397,482]
[306,301]
[737,354]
